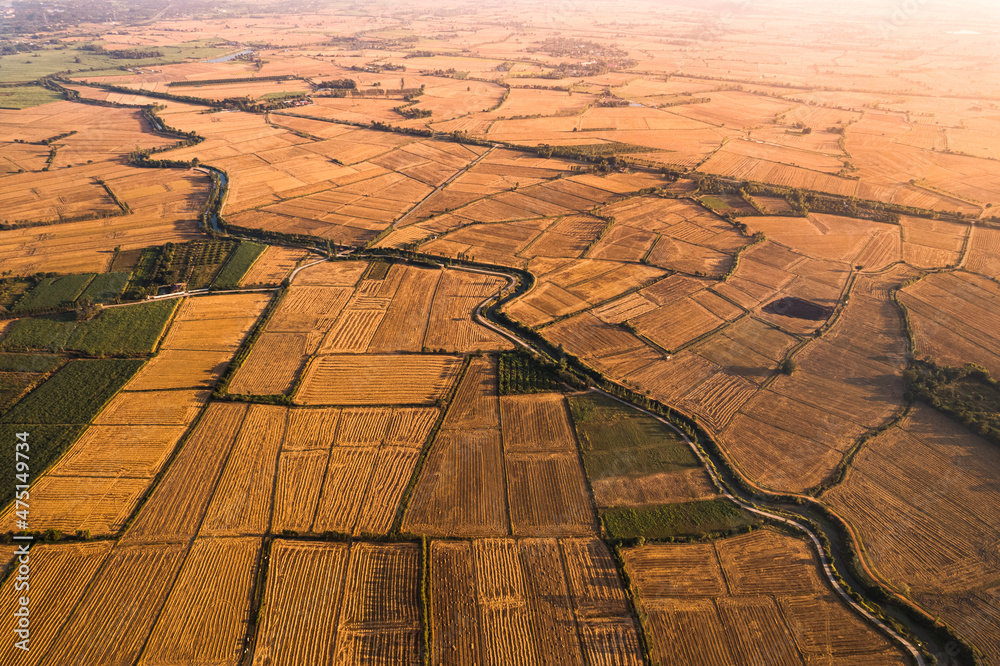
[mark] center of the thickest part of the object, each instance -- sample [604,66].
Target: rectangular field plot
[273,365]
[536,423]
[755,598]
[501,601]
[213,592]
[111,451]
[301,602]
[125,600]
[380,615]
[175,369]
[176,507]
[214,323]
[377,379]
[241,503]
[59,575]
[70,503]
[548,495]
[461,488]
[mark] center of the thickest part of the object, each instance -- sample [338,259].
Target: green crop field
[46,444]
[687,519]
[284,94]
[617,440]
[239,263]
[29,362]
[36,64]
[124,331]
[74,395]
[54,292]
[106,287]
[22,97]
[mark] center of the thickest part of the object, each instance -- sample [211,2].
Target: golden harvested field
[301,602]
[273,266]
[176,507]
[119,451]
[214,323]
[177,407]
[686,485]
[928,519]
[310,428]
[241,503]
[498,601]
[298,483]
[71,503]
[548,495]
[376,379]
[274,363]
[59,577]
[954,319]
[213,591]
[461,488]
[126,598]
[759,597]
[331,274]
[176,369]
[536,423]
[380,613]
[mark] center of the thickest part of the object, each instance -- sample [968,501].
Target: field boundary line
[724,491]
[326,467]
[407,496]
[79,602]
[827,570]
[166,599]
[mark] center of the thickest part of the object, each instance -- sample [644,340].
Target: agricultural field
[122,331]
[373,588]
[317,317]
[528,601]
[60,574]
[954,572]
[760,598]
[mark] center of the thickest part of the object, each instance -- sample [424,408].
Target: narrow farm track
[723,489]
[445,184]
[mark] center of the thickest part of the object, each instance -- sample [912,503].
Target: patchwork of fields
[265,287]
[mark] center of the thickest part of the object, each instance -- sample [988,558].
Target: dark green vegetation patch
[239,263]
[29,362]
[74,395]
[688,519]
[520,372]
[617,440]
[194,264]
[106,287]
[123,331]
[967,394]
[377,270]
[54,292]
[46,444]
